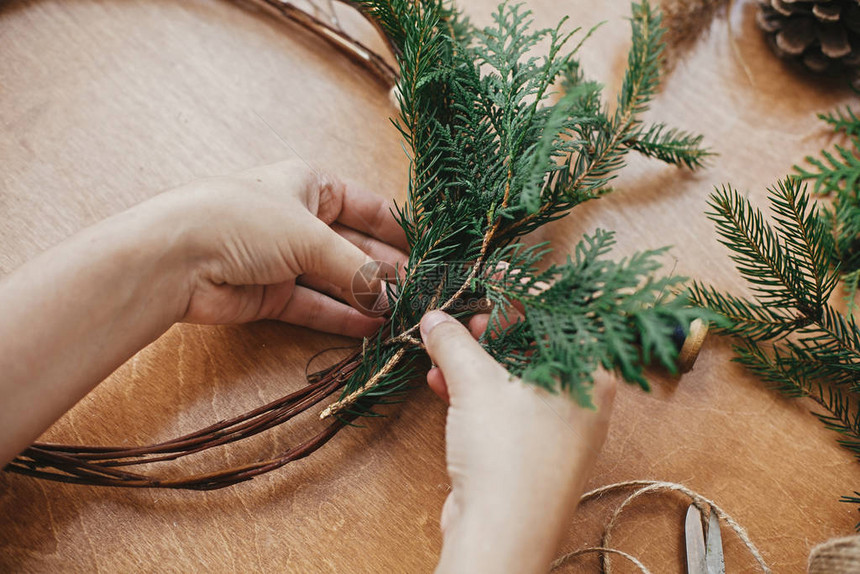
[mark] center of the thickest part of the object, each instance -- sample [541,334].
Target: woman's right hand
[518,456]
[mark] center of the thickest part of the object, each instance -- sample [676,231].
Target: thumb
[322,252]
[466,366]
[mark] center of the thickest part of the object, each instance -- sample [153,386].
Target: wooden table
[103,104]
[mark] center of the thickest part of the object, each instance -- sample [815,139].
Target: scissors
[704,556]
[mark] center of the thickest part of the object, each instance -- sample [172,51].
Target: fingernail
[431,319]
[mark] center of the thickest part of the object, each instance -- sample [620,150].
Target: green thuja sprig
[492,159]
[597,312]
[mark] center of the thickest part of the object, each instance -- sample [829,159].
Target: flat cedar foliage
[491,159]
[790,332]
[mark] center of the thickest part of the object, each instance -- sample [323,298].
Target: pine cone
[822,35]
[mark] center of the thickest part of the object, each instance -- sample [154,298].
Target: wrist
[155,247]
[502,536]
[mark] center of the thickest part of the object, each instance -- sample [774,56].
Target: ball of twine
[837,556]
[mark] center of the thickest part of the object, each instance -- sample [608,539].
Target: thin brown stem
[337,37]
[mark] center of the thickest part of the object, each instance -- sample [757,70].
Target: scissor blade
[695,538]
[714,555]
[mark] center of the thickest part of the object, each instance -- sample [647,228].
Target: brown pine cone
[822,35]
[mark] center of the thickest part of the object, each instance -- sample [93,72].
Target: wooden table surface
[103,104]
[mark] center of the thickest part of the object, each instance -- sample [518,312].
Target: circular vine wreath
[630,319]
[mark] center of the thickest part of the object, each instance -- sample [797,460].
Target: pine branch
[836,173]
[851,283]
[795,375]
[758,251]
[806,237]
[742,317]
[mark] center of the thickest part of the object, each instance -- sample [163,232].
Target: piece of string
[599,550]
[323,352]
[648,487]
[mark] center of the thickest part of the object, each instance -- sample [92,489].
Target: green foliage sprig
[491,160]
[788,333]
[836,173]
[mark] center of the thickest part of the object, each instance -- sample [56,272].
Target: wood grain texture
[103,104]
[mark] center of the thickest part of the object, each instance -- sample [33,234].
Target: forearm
[75,313]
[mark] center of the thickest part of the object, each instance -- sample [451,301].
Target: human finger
[436,382]
[371,214]
[309,308]
[478,323]
[603,392]
[376,249]
[467,367]
[392,262]
[373,307]
[322,285]
[325,254]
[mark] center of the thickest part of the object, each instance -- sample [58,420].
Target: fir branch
[806,236]
[851,283]
[789,335]
[642,76]
[671,146]
[836,173]
[780,263]
[742,317]
[758,251]
[795,375]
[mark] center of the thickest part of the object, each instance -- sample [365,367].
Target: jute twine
[642,487]
[837,556]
